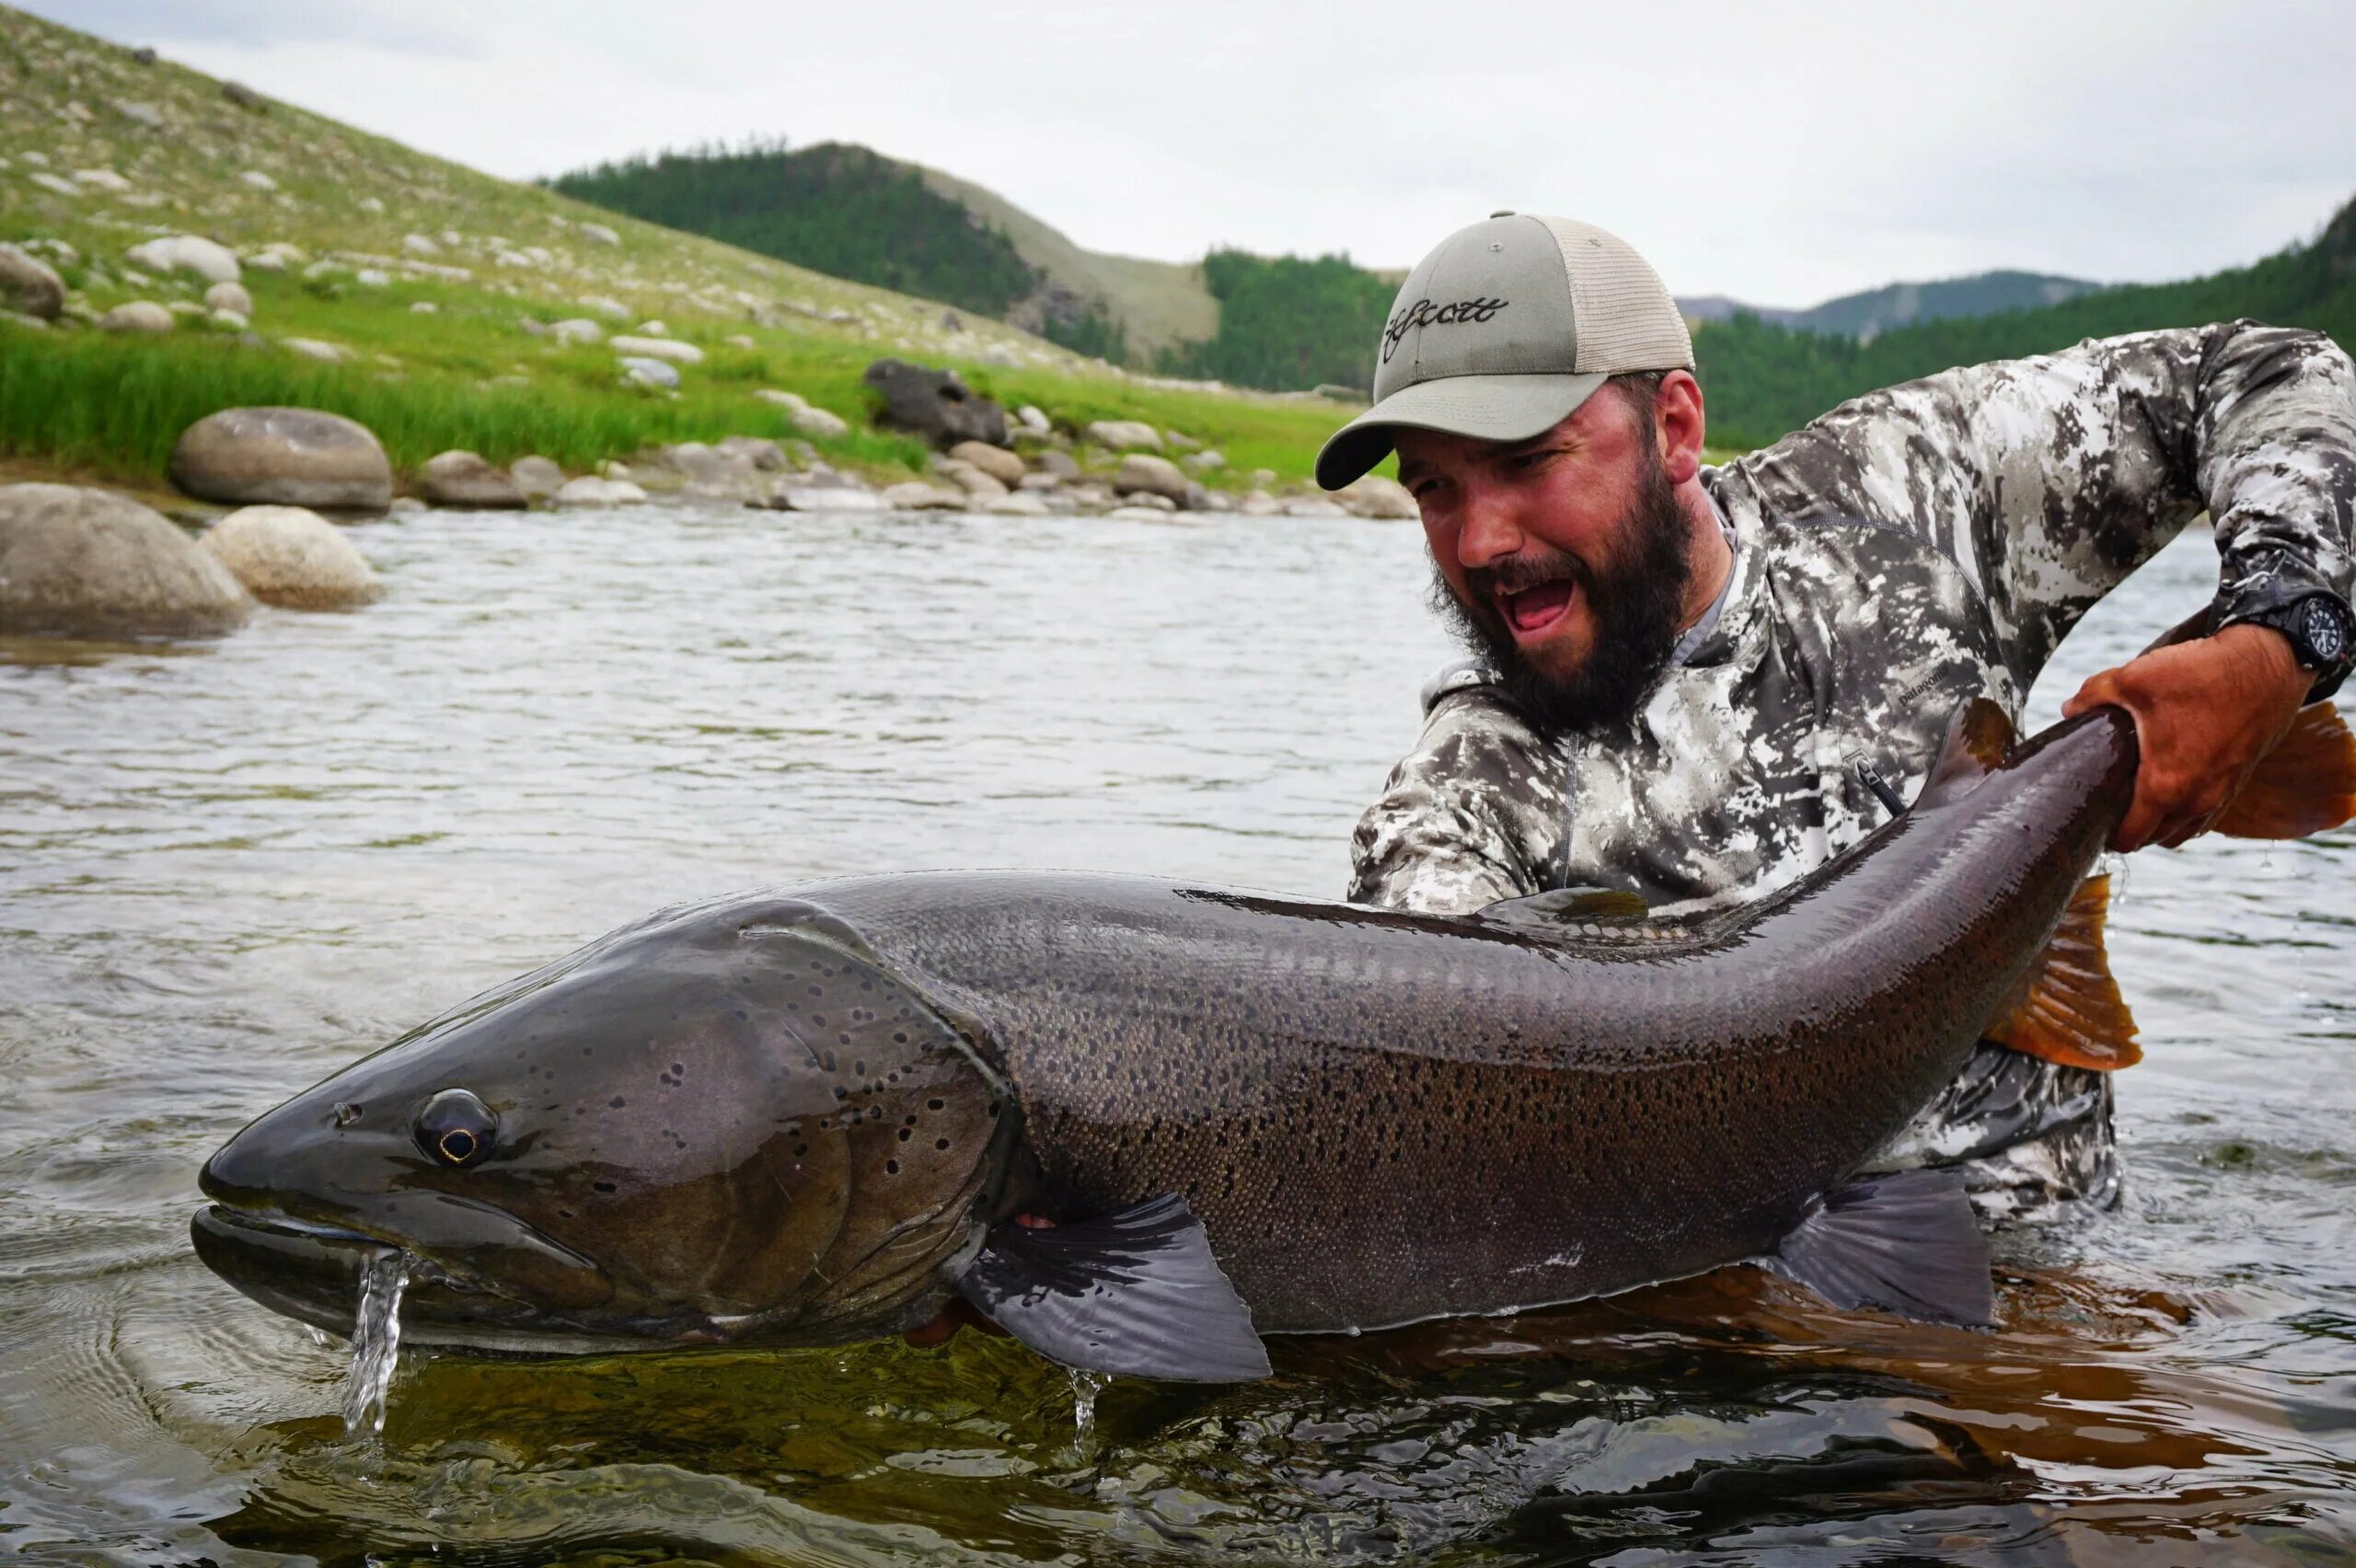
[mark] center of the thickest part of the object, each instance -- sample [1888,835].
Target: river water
[228,869]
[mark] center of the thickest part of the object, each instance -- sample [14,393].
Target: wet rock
[972,480]
[186,253]
[995,461]
[292,557]
[1119,434]
[136,315]
[918,496]
[822,498]
[590,490]
[463,479]
[27,285]
[640,371]
[934,404]
[669,349]
[1374,496]
[230,296]
[536,476]
[81,562]
[1140,474]
[286,456]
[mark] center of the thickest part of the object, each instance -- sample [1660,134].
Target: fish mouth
[311,1271]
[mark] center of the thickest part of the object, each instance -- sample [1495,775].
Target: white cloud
[1780,153]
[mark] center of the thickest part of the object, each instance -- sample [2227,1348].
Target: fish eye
[456,1127]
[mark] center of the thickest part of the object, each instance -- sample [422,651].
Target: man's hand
[2206,712]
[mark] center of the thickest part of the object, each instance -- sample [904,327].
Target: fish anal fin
[1136,1293]
[2067,1008]
[1905,1242]
[2306,784]
[1979,737]
[1567,906]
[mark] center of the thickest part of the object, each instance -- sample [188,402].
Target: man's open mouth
[1536,610]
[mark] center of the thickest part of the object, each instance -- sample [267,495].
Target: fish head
[727,1123]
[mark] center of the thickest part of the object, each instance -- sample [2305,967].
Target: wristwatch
[2323,637]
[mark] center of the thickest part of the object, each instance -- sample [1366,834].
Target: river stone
[1061,464]
[463,479]
[972,480]
[282,456]
[918,496]
[1151,476]
[81,562]
[1120,433]
[1034,420]
[28,286]
[995,461]
[292,557]
[657,348]
[590,490]
[136,315]
[230,296]
[1374,496]
[1021,504]
[186,253]
[536,476]
[934,404]
[759,451]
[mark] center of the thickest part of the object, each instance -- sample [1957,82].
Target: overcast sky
[1780,153]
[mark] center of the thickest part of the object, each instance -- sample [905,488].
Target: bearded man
[1698,684]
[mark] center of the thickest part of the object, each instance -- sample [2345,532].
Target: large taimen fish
[1139,1126]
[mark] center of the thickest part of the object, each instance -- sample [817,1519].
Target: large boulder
[1122,433]
[28,286]
[995,461]
[286,555]
[1141,474]
[536,476]
[79,562]
[213,262]
[136,315]
[284,457]
[934,404]
[465,479]
[1374,496]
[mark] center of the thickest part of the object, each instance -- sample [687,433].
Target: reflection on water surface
[228,869]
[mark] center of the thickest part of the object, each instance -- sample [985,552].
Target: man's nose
[1489,528]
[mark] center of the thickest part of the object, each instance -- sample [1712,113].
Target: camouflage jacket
[1910,548]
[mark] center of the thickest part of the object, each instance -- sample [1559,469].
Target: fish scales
[1468,1117]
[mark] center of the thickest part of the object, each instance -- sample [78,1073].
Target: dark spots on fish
[935,1104]
[858,1067]
[906,1134]
[617,1103]
[679,1070]
[564,1214]
[744,1017]
[800,1150]
[603,1186]
[891,1168]
[899,1037]
[826,1060]
[841,1094]
[940,1143]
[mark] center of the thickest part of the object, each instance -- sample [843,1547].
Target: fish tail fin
[2067,1009]
[1979,738]
[2306,784]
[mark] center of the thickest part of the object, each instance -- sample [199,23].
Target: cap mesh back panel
[1626,318]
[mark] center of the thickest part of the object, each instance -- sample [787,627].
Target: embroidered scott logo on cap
[1424,312]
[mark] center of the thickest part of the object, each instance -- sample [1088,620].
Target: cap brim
[1487,407]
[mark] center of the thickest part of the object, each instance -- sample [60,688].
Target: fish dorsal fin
[2306,784]
[1136,1293]
[1904,1242]
[1562,906]
[1979,738]
[2067,1009]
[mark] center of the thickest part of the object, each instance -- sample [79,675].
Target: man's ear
[1679,425]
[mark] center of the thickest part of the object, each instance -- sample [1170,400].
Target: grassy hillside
[1763,380]
[1897,305]
[422,274]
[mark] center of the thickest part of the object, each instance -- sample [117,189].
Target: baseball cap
[1503,330]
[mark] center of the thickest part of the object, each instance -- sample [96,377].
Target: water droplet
[375,1343]
[1085,1386]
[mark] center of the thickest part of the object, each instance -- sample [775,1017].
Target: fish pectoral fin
[2306,784]
[2067,1009]
[1979,737]
[1566,906]
[1905,1242]
[1136,1293]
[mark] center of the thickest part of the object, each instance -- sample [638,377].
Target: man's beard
[1634,599]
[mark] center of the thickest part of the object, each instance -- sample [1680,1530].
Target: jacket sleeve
[1472,815]
[2049,479]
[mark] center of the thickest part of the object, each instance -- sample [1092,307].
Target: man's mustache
[1526,570]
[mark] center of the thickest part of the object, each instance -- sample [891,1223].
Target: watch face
[2325,626]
